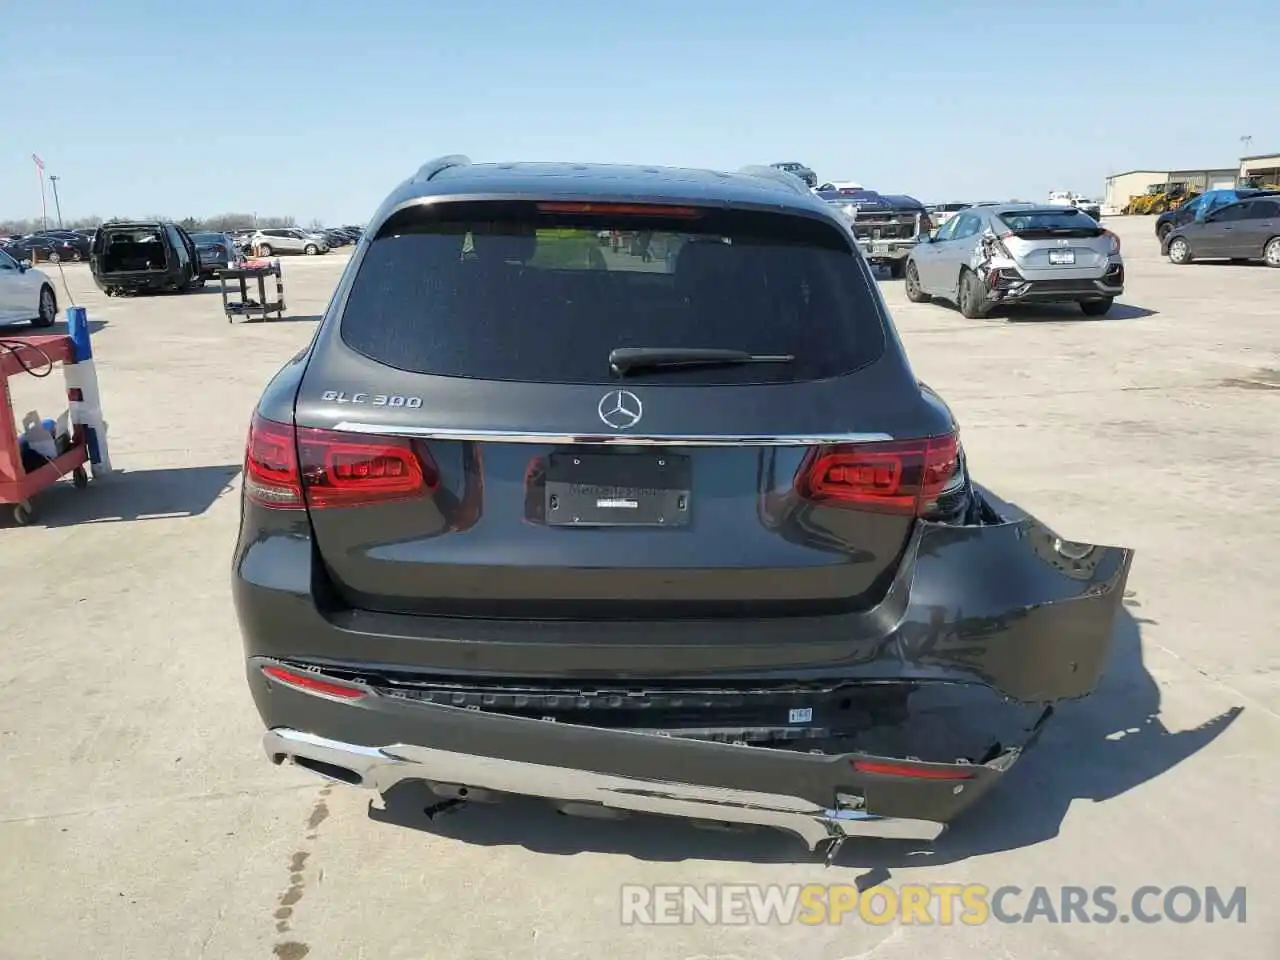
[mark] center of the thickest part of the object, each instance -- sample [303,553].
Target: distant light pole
[1246,141]
[56,204]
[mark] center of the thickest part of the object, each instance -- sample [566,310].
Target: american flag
[39,162]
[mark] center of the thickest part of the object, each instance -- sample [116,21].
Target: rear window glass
[1067,218]
[545,298]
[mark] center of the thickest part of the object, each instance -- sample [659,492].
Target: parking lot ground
[139,818]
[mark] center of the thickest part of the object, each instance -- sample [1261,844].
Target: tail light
[289,468]
[1114,250]
[998,244]
[911,771]
[899,476]
[309,683]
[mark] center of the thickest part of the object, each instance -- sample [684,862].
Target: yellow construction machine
[1256,183]
[1159,198]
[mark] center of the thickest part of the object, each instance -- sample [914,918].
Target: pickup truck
[888,226]
[1064,198]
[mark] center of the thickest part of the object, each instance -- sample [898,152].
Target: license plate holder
[618,490]
[1062,257]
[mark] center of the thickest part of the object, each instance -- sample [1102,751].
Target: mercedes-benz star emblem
[620,409]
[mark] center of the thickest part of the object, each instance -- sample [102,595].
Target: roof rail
[433,167]
[777,176]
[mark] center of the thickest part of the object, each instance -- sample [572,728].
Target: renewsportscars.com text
[943,904]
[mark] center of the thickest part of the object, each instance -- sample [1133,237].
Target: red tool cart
[33,355]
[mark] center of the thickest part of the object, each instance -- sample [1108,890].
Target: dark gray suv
[665,525]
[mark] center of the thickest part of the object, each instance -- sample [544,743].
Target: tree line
[222,222]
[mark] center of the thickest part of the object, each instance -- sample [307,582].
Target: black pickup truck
[888,226]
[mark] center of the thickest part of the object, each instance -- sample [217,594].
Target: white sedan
[25,294]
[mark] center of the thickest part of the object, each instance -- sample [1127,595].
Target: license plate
[882,248]
[1062,256]
[618,490]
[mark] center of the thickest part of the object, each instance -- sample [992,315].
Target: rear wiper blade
[623,360]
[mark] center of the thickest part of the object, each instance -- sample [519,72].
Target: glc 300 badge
[372,399]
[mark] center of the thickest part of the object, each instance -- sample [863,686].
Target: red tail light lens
[271,476]
[900,476]
[911,771]
[288,469]
[312,684]
[1115,243]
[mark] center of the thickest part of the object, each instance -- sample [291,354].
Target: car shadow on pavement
[128,495]
[1068,313]
[1094,749]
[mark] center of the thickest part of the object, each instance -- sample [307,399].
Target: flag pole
[44,204]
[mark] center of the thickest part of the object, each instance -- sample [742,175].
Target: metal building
[1201,179]
[1265,166]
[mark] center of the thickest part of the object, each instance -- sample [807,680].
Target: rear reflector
[899,476]
[910,771]
[622,209]
[288,468]
[312,684]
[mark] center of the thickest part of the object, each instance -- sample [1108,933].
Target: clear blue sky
[318,108]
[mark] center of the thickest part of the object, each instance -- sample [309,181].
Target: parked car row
[271,241]
[50,245]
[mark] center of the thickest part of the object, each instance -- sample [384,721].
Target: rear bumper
[134,283]
[886,251]
[817,797]
[1008,610]
[1006,285]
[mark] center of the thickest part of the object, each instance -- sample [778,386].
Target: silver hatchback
[1012,253]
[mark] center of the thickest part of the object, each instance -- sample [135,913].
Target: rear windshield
[1068,218]
[543,297]
[124,237]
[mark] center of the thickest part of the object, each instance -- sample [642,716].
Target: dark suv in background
[144,256]
[667,525]
[809,178]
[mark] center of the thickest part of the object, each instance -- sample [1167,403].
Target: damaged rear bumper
[1008,609]
[1005,284]
[819,798]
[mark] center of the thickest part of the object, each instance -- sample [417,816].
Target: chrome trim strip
[639,440]
[381,768]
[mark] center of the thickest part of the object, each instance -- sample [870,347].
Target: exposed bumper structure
[1008,285]
[819,798]
[381,768]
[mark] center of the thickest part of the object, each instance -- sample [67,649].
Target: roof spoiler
[777,176]
[440,164]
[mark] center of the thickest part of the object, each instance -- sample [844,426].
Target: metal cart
[23,354]
[246,306]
